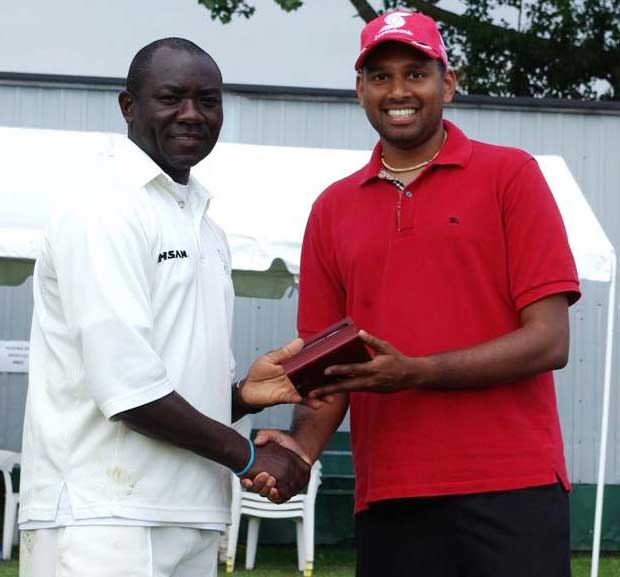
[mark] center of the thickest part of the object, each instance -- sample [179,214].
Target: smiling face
[403,92]
[177,115]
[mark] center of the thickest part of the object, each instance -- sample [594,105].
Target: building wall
[15,316]
[586,138]
[99,37]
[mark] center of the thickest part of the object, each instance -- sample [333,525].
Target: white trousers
[118,551]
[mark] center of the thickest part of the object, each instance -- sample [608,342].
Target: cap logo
[394,20]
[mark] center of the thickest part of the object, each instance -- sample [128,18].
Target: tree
[557,48]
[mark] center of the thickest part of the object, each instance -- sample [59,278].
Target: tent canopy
[262,197]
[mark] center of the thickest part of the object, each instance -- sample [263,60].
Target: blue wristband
[250,462]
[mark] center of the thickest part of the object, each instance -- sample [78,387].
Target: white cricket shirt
[133,300]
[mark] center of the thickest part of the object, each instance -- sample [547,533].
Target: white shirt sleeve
[101,254]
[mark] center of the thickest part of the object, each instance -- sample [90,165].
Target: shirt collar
[456,151]
[195,186]
[136,166]
[140,169]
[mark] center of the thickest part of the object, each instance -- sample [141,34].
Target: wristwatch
[238,401]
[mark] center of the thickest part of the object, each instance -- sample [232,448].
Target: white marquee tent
[262,196]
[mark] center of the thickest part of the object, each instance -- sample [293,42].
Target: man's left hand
[388,372]
[267,384]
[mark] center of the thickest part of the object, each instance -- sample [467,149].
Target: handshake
[278,472]
[280,468]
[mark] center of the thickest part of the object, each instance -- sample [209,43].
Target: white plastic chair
[8,459]
[300,508]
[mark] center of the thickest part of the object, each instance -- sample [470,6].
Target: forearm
[517,355]
[312,428]
[173,420]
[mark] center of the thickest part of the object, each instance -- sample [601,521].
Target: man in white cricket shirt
[127,444]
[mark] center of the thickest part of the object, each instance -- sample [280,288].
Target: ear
[449,85]
[127,102]
[359,87]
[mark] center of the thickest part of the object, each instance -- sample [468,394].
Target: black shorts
[520,533]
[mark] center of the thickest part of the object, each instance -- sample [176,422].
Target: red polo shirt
[444,264]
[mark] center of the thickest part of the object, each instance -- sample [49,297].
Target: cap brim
[430,52]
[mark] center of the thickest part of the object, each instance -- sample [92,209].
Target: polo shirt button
[408,194]
[181,204]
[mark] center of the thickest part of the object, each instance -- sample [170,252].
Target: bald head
[141,63]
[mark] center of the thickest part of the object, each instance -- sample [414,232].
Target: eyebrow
[177,88]
[413,66]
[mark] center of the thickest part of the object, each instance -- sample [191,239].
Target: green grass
[609,565]
[8,568]
[339,562]
[282,562]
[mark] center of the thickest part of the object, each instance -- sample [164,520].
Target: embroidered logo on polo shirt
[224,261]
[171,254]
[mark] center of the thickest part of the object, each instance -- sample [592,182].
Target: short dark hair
[141,62]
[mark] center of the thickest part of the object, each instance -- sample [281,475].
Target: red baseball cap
[412,28]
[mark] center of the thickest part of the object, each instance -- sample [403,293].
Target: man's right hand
[278,472]
[312,430]
[283,439]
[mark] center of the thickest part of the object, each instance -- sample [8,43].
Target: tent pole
[600,487]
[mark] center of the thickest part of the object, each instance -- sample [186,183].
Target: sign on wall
[14,356]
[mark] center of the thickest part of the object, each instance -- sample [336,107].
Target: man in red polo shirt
[452,255]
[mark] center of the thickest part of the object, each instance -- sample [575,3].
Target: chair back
[8,460]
